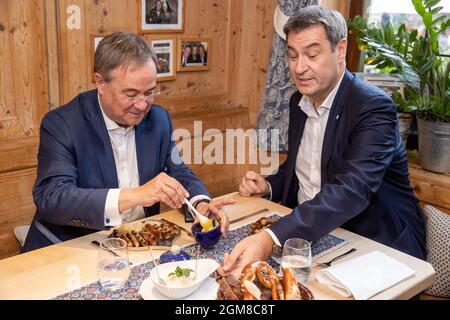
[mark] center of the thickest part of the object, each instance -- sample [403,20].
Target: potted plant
[416,59]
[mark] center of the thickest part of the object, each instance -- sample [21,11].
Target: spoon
[196,260]
[202,218]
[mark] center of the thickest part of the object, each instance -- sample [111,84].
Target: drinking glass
[113,267]
[297,253]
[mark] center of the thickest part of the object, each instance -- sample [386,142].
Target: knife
[96,243]
[249,215]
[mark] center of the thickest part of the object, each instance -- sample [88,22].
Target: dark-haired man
[346,165]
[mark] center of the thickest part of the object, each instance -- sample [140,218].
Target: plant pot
[434,146]
[404,122]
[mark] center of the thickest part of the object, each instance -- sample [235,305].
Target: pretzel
[272,281]
[291,291]
[250,291]
[268,278]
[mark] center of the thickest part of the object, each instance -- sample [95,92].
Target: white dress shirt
[124,149]
[309,156]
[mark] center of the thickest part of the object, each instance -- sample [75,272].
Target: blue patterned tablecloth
[139,273]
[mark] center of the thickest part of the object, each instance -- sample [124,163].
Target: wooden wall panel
[343,6]
[255,38]
[23,81]
[191,90]
[16,207]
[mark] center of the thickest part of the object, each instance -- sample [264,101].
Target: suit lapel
[298,120]
[100,139]
[333,120]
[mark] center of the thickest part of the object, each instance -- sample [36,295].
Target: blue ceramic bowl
[207,240]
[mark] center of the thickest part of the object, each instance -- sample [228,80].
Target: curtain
[274,109]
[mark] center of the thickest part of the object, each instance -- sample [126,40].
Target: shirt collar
[307,106]
[110,124]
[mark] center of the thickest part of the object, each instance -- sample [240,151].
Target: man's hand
[162,188]
[253,184]
[214,210]
[255,247]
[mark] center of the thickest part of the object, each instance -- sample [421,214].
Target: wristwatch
[277,251]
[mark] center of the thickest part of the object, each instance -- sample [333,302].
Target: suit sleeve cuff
[112,215]
[273,236]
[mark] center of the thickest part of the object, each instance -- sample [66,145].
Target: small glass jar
[174,254]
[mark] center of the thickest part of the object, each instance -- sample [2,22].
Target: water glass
[113,267]
[297,253]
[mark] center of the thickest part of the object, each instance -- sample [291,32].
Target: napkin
[364,276]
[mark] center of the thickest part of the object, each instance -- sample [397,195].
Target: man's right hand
[162,188]
[253,184]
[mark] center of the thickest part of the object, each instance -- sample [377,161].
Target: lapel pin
[337,117]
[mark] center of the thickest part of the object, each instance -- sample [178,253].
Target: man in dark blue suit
[346,166]
[107,157]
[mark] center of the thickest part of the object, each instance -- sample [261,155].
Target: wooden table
[50,271]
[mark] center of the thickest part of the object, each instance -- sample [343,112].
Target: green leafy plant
[414,57]
[181,272]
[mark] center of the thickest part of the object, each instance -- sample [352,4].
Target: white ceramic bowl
[204,269]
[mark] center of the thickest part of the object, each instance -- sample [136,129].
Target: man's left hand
[213,210]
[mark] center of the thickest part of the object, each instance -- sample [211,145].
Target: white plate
[207,291]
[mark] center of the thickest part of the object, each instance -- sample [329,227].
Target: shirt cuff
[196,199]
[112,215]
[273,236]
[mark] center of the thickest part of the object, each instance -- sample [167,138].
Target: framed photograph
[161,16]
[95,40]
[164,48]
[193,54]
[388,83]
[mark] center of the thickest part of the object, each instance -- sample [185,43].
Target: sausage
[141,240]
[133,239]
[124,237]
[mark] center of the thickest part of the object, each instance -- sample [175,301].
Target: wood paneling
[252,58]
[430,188]
[343,6]
[23,81]
[16,207]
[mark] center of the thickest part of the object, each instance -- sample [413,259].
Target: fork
[328,264]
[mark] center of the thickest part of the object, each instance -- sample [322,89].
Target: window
[402,11]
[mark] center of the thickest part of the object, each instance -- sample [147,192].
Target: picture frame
[161,16]
[190,57]
[389,83]
[165,50]
[95,40]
